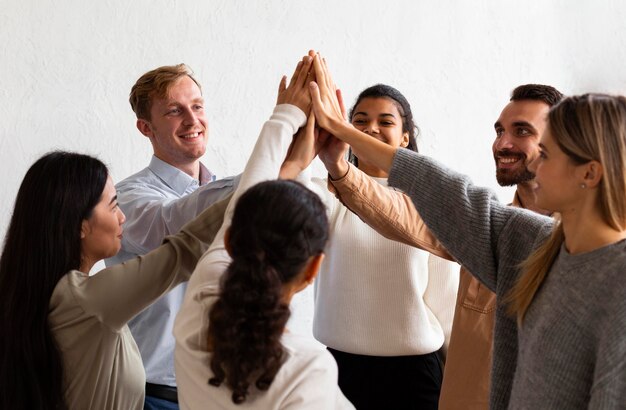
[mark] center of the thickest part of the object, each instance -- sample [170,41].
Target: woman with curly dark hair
[232,347]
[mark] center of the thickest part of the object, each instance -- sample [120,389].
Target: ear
[227,242]
[144,127]
[84,229]
[313,267]
[593,172]
[405,140]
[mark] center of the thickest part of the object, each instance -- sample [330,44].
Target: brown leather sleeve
[391,213]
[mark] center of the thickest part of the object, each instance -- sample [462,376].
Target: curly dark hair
[401,103]
[277,227]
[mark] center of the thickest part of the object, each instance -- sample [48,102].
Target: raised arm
[116,294]
[469,221]
[391,213]
[151,217]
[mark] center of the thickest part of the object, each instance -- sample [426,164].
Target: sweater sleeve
[468,220]
[116,294]
[390,213]
[264,164]
[441,291]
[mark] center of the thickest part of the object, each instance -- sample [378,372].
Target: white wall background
[67,67]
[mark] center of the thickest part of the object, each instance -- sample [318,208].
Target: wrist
[338,170]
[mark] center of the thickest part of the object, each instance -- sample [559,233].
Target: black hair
[277,227]
[401,103]
[42,244]
[537,92]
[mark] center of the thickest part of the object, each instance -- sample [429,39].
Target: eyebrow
[380,115]
[498,124]
[174,102]
[113,200]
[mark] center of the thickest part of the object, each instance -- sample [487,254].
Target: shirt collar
[176,179]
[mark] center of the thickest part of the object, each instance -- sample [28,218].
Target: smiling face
[178,125]
[101,233]
[518,131]
[558,178]
[380,119]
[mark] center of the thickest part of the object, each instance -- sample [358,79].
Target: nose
[121,217]
[190,118]
[371,128]
[503,142]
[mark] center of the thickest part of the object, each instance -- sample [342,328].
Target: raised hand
[328,112]
[331,150]
[297,92]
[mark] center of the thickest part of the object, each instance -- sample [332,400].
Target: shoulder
[308,355]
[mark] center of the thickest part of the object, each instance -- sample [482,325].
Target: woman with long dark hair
[232,345]
[560,282]
[64,342]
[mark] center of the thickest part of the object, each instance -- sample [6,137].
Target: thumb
[283,84]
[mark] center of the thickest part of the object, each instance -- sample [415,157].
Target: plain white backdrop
[67,67]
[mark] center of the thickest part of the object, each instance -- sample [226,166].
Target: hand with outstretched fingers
[297,92]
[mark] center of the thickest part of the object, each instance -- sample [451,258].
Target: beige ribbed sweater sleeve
[119,292]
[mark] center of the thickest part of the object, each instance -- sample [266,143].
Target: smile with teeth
[508,160]
[190,136]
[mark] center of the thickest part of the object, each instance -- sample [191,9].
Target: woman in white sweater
[383,308]
[232,348]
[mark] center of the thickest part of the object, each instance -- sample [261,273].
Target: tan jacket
[466,377]
[88,316]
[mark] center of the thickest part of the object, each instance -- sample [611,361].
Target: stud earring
[583,186]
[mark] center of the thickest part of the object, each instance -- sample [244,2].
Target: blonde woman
[562,281]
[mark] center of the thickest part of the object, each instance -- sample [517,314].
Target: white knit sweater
[379,297]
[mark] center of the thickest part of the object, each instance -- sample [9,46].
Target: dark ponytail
[277,227]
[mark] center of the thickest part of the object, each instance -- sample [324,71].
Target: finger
[283,85]
[316,99]
[305,73]
[320,76]
[342,106]
[329,78]
[296,73]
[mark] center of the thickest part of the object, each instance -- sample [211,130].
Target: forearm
[375,152]
[389,212]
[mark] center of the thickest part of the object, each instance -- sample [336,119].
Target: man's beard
[509,177]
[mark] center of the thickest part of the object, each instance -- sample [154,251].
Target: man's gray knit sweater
[572,345]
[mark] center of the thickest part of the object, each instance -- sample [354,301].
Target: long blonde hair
[586,127]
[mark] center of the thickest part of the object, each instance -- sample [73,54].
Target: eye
[387,123]
[542,154]
[198,107]
[499,132]
[523,132]
[359,121]
[173,111]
